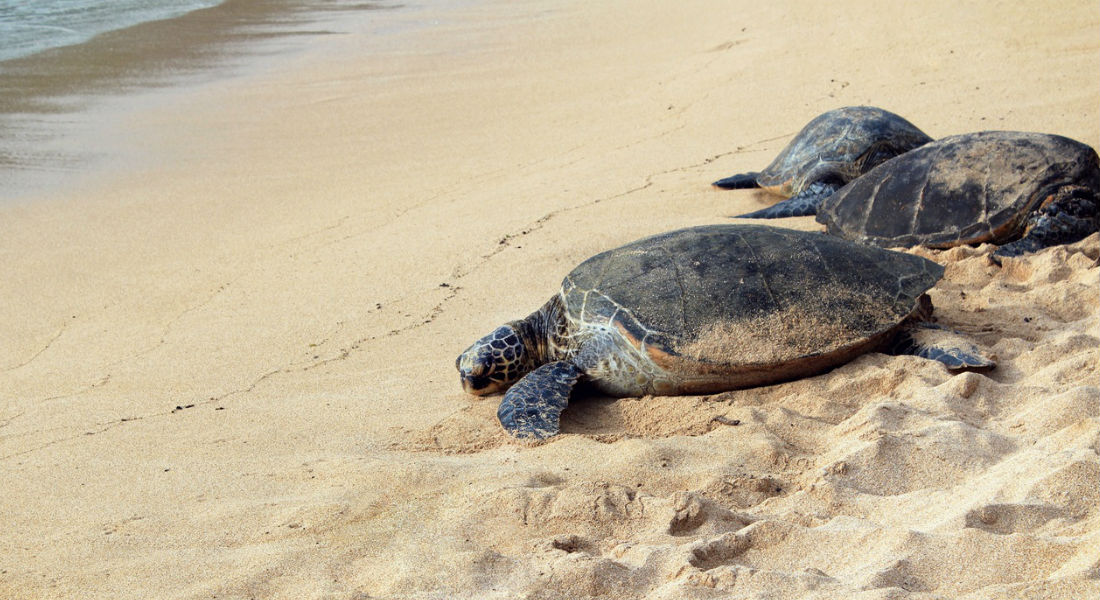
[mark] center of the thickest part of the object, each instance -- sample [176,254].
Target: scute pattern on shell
[845,139]
[964,189]
[673,291]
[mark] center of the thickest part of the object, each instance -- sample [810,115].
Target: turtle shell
[965,189]
[766,302]
[847,141]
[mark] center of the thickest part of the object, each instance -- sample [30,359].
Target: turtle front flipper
[802,204]
[532,407]
[741,181]
[1072,215]
[949,347]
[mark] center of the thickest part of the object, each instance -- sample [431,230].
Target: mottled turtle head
[494,362]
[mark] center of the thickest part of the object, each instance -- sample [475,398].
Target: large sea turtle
[1025,190]
[831,150]
[708,309]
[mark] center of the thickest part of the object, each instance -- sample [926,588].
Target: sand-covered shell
[729,299]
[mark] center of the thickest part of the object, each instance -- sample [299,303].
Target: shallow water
[77,61]
[30,27]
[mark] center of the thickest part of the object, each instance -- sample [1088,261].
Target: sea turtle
[1025,190]
[831,150]
[708,309]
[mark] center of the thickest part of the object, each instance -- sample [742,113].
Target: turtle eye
[475,361]
[485,362]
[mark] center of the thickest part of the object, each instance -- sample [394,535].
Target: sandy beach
[227,367]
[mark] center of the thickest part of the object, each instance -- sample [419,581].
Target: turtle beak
[474,384]
[467,383]
[478,385]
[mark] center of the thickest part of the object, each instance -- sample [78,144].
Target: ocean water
[30,26]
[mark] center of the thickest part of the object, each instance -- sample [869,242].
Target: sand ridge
[228,371]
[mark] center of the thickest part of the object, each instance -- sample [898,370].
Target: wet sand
[228,359]
[59,107]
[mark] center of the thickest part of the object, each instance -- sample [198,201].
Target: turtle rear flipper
[741,181]
[949,347]
[532,407]
[1072,215]
[803,204]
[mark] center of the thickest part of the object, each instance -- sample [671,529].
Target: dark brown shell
[965,189]
[846,142]
[745,295]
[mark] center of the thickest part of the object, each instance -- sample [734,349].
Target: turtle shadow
[609,419]
[593,415]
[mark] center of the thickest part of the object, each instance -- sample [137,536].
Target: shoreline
[58,106]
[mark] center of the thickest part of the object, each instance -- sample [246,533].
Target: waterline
[29,27]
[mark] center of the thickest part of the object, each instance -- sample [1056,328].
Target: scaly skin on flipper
[933,342]
[532,407]
[803,204]
[742,181]
[1072,215]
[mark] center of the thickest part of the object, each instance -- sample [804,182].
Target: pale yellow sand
[226,370]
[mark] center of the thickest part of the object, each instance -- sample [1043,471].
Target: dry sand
[227,367]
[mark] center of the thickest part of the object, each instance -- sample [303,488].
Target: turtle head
[494,362]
